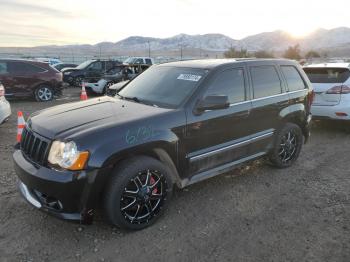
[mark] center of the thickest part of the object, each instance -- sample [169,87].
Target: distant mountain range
[334,41]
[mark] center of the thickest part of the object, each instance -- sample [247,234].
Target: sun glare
[298,30]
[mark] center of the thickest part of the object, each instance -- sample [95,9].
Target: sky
[60,22]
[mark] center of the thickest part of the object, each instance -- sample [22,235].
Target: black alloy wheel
[143,197]
[287,146]
[78,81]
[138,193]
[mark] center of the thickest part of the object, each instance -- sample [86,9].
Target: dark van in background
[27,78]
[88,71]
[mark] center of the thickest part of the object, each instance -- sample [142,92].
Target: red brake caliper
[155,190]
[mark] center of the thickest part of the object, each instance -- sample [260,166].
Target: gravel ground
[255,213]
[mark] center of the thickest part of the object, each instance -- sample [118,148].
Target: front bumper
[58,88]
[64,194]
[5,109]
[68,78]
[97,88]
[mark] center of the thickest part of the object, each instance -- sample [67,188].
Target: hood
[68,119]
[69,69]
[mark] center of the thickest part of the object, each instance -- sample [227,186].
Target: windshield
[130,60]
[164,86]
[84,64]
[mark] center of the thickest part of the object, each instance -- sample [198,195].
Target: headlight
[67,156]
[67,73]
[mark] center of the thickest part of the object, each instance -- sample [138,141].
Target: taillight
[337,90]
[2,90]
[311,97]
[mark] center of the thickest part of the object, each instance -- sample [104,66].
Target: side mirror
[212,102]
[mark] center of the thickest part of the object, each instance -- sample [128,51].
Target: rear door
[218,137]
[269,99]
[24,77]
[327,82]
[94,71]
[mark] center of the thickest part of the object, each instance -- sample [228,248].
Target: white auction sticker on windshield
[189,77]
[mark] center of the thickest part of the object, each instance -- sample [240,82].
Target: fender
[141,140]
[297,114]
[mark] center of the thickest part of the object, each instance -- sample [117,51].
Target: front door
[218,137]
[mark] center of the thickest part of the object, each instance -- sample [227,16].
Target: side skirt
[218,170]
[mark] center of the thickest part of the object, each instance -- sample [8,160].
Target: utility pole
[181,51]
[149,49]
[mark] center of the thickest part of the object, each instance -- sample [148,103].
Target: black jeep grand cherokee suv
[176,124]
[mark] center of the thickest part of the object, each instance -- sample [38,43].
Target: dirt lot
[257,213]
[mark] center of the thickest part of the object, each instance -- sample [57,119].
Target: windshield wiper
[134,98]
[137,100]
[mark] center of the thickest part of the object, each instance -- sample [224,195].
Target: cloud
[15,6]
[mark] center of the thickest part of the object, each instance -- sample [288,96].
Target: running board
[218,170]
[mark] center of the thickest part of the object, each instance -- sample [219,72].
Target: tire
[287,146]
[44,93]
[104,92]
[138,193]
[78,81]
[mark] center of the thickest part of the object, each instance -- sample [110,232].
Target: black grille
[34,147]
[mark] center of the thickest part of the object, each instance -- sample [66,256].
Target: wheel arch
[161,150]
[295,114]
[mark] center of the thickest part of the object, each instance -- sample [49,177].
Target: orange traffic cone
[83,95]
[20,125]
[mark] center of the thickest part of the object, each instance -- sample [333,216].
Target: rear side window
[230,83]
[294,80]
[109,65]
[3,68]
[23,68]
[266,81]
[148,61]
[327,75]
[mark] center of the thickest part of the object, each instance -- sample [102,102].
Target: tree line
[292,52]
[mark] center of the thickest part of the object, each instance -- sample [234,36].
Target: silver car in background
[331,83]
[5,108]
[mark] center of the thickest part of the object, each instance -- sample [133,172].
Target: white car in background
[5,109]
[331,84]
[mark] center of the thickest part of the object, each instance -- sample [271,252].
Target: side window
[230,83]
[294,80]
[3,68]
[109,65]
[23,68]
[148,61]
[139,61]
[266,81]
[96,66]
